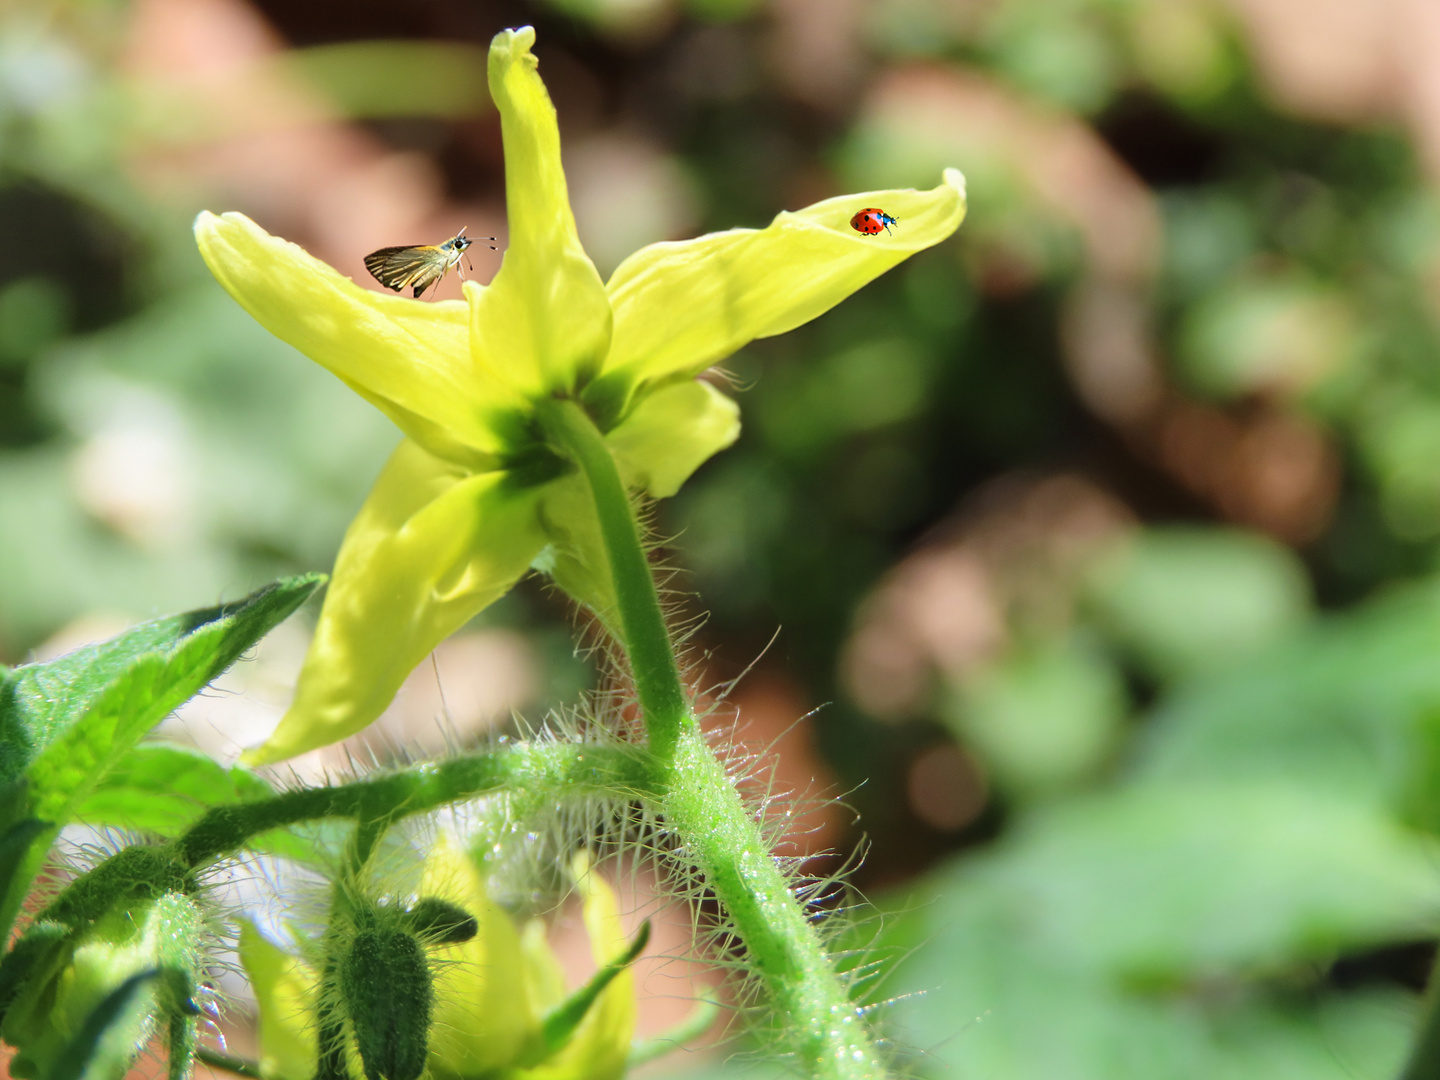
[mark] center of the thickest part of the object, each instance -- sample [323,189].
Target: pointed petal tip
[209,226]
[956,179]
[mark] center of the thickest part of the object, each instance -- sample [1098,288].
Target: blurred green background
[1105,533]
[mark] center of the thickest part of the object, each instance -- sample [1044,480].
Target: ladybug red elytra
[871,220]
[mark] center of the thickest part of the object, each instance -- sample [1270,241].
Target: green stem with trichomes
[563,770]
[699,802]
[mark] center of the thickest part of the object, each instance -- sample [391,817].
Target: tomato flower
[474,496]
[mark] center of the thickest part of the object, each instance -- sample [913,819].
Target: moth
[420,266]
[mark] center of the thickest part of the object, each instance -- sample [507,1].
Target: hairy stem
[561,770]
[700,803]
[566,769]
[663,699]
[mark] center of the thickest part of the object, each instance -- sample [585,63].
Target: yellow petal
[608,940]
[283,989]
[428,551]
[546,313]
[544,976]
[483,1014]
[680,307]
[670,433]
[408,358]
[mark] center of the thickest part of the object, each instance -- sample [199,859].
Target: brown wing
[401,267]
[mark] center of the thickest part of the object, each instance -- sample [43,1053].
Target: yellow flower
[284,990]
[491,993]
[473,495]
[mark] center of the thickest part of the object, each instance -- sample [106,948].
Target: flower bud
[486,1010]
[160,936]
[385,980]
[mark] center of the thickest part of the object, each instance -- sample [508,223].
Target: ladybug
[871,220]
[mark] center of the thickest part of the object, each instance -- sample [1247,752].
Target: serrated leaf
[164,789]
[38,702]
[65,724]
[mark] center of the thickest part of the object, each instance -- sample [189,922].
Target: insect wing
[401,267]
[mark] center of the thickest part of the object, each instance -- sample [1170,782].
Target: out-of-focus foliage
[1108,529]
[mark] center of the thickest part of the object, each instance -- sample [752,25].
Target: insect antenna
[473,239]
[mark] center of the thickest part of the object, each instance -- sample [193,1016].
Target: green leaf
[65,724]
[1043,718]
[1137,935]
[985,1000]
[1348,706]
[1186,601]
[164,789]
[1159,884]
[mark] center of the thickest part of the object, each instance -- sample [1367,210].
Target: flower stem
[556,771]
[563,768]
[647,641]
[701,805]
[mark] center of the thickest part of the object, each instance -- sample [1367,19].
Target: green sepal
[562,1021]
[90,1055]
[65,724]
[676,1037]
[439,922]
[230,1063]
